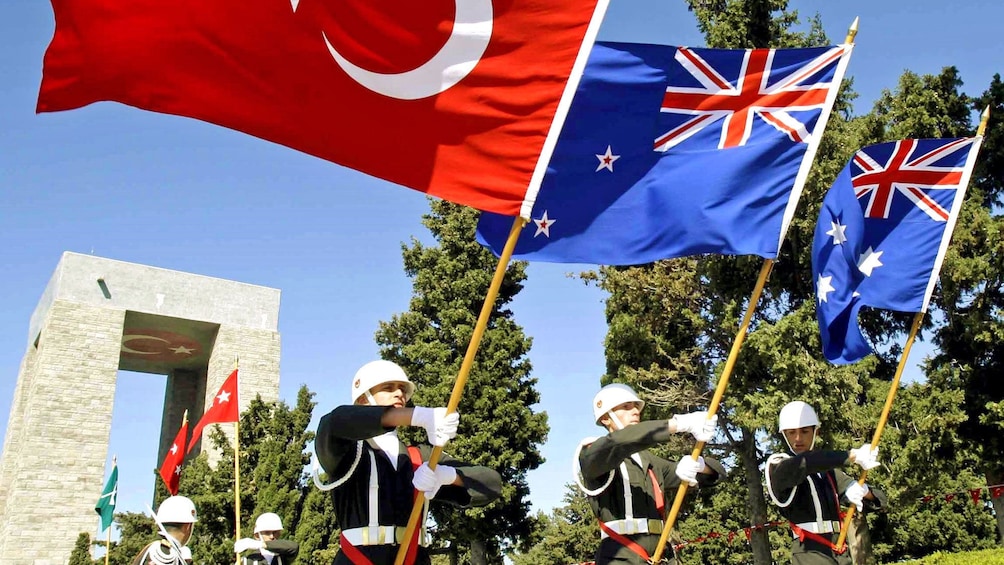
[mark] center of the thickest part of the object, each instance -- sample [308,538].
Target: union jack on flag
[879,179]
[777,87]
[882,234]
[734,131]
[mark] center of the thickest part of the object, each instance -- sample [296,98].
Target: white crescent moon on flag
[127,338]
[472,30]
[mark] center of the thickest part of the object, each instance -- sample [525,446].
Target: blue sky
[184,195]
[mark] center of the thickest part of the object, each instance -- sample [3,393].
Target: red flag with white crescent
[455,98]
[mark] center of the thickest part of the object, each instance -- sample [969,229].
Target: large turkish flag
[450,97]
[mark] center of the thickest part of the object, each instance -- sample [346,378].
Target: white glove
[429,480]
[698,424]
[186,553]
[245,544]
[439,426]
[856,494]
[687,469]
[866,457]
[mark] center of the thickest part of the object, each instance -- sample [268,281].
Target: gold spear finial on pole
[852,31]
[984,119]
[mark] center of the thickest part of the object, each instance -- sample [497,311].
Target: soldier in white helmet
[266,545]
[627,485]
[175,519]
[807,486]
[374,476]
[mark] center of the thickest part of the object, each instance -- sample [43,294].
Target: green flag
[105,506]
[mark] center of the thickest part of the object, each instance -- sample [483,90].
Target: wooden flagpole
[723,381]
[984,118]
[893,387]
[237,470]
[465,369]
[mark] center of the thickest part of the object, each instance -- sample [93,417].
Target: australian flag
[675,151]
[882,234]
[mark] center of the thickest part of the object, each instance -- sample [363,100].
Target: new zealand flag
[675,151]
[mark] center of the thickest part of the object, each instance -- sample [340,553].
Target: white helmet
[177,510]
[376,373]
[612,396]
[268,522]
[796,415]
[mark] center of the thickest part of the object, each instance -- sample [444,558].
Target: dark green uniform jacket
[799,483]
[285,551]
[601,466]
[341,435]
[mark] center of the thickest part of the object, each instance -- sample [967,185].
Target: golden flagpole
[723,381]
[917,319]
[237,470]
[465,369]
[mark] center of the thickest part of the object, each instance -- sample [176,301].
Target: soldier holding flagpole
[807,486]
[375,478]
[627,485]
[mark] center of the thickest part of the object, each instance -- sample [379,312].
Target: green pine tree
[136,530]
[971,297]
[81,554]
[567,535]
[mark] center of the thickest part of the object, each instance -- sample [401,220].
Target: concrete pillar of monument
[57,435]
[184,391]
[98,316]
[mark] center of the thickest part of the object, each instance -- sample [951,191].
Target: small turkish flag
[224,409]
[170,469]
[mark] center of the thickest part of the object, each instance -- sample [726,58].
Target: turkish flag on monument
[224,409]
[170,469]
[450,97]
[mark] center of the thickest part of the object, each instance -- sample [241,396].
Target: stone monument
[98,316]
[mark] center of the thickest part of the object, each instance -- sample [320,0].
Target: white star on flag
[837,233]
[824,287]
[544,225]
[869,260]
[174,448]
[223,396]
[177,470]
[181,350]
[607,160]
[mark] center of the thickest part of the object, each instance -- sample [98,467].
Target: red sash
[802,534]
